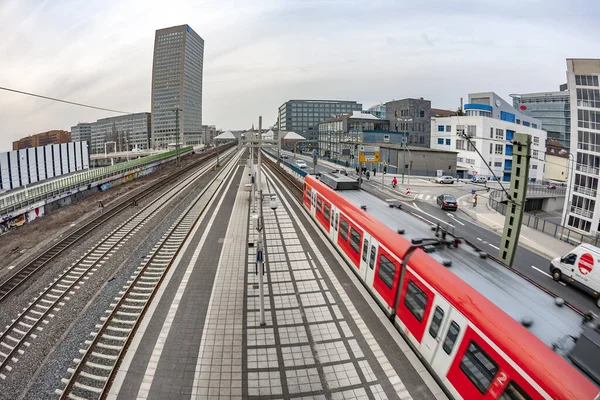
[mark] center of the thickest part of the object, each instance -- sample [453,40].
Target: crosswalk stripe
[427,197]
[420,197]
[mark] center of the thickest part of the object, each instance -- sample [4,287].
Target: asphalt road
[526,262]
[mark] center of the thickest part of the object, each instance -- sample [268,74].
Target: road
[526,262]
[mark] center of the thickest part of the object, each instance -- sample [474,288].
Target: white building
[490,123]
[581,210]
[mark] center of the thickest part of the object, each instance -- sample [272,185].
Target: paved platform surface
[324,338]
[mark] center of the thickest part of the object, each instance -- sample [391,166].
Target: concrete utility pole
[177,133]
[517,199]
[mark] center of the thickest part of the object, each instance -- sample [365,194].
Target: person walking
[475,200]
[374,172]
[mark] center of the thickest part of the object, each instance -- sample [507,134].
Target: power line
[64,101]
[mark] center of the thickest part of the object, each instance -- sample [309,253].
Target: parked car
[478,179]
[552,187]
[301,164]
[445,179]
[447,202]
[284,156]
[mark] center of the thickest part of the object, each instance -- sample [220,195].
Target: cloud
[260,53]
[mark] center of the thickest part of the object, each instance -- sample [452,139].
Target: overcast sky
[260,53]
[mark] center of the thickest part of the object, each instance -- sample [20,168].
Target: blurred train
[482,331]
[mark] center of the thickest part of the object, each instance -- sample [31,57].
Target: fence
[14,201]
[548,227]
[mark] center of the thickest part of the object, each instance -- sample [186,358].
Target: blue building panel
[478,107]
[509,134]
[508,149]
[506,116]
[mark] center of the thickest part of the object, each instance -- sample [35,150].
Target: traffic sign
[368,148]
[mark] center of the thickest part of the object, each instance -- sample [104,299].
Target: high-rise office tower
[177,86]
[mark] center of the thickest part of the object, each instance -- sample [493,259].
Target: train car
[482,331]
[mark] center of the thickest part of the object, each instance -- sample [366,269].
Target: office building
[581,210]
[42,139]
[122,133]
[303,116]
[551,109]
[413,117]
[177,87]
[208,134]
[490,124]
[27,166]
[337,136]
[82,132]
[377,110]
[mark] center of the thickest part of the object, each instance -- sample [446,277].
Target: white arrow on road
[454,218]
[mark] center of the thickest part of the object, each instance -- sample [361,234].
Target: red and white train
[474,349]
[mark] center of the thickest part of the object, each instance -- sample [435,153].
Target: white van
[581,268]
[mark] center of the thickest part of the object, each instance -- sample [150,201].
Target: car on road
[301,164]
[284,156]
[447,202]
[445,179]
[478,179]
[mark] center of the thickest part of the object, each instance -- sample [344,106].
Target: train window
[479,367]
[451,336]
[336,221]
[319,205]
[365,249]
[308,195]
[415,300]
[354,240]
[344,229]
[327,212]
[514,392]
[436,322]
[372,259]
[387,269]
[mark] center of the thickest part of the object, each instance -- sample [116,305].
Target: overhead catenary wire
[64,101]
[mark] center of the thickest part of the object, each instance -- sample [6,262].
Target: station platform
[324,337]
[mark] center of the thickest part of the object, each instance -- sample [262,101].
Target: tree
[460,112]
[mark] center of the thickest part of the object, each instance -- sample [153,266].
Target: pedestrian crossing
[432,199]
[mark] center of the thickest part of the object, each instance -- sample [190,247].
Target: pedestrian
[374,172]
[368,174]
[357,170]
[475,200]
[347,164]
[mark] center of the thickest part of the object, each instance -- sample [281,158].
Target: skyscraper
[177,85]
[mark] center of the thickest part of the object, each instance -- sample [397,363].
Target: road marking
[455,219]
[547,274]
[11,267]
[420,197]
[496,247]
[441,220]
[427,197]
[479,239]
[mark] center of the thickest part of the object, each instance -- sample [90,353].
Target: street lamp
[176,111]
[405,145]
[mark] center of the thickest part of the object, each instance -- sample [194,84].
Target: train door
[332,222]
[371,261]
[438,320]
[451,334]
[364,256]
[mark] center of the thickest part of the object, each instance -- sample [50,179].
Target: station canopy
[225,136]
[293,136]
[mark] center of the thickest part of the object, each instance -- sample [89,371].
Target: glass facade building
[553,111]
[177,85]
[303,116]
[82,132]
[126,132]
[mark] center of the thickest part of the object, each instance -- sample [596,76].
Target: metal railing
[582,211]
[585,190]
[12,201]
[499,195]
[587,169]
[550,228]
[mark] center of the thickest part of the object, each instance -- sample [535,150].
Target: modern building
[377,110]
[413,117]
[27,166]
[42,139]
[490,124]
[177,87]
[303,116]
[557,161]
[337,136]
[582,206]
[208,134]
[552,109]
[82,132]
[122,133]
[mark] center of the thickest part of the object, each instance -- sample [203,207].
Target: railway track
[37,314]
[25,272]
[92,374]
